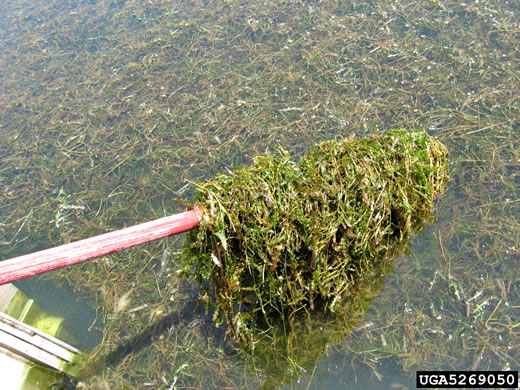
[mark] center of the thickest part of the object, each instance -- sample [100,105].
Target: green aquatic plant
[280,236]
[185,89]
[282,352]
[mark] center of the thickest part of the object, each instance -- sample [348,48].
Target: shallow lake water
[110,110]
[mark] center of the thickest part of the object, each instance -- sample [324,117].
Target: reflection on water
[79,318]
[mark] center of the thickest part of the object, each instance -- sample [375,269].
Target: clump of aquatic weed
[279,236]
[283,352]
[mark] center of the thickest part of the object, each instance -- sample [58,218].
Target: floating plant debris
[281,236]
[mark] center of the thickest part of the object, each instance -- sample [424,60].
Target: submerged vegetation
[283,351]
[279,236]
[109,110]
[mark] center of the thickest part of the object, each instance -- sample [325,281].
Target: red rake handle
[89,248]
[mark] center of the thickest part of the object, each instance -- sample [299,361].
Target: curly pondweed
[279,236]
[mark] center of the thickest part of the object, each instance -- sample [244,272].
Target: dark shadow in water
[140,341]
[144,339]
